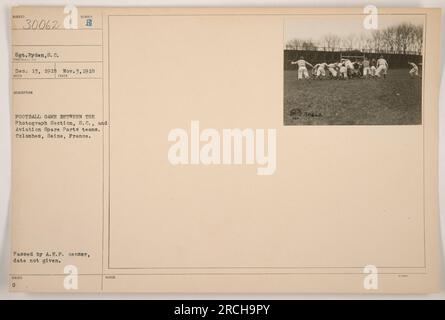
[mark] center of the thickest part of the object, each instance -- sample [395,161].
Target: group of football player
[346,69]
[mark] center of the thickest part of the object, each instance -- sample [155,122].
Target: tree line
[403,39]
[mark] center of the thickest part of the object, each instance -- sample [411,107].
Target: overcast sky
[315,27]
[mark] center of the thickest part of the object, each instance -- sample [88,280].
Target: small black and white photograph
[338,71]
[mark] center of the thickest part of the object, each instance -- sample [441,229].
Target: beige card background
[342,197]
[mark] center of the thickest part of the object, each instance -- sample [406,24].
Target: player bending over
[382,66]
[343,70]
[373,68]
[356,72]
[347,63]
[332,67]
[414,70]
[321,70]
[314,70]
[350,69]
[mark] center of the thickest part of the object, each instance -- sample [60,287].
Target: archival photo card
[150,154]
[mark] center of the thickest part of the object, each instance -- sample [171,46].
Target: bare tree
[349,42]
[309,45]
[301,44]
[377,40]
[331,41]
[389,39]
[403,38]
[418,39]
[362,41]
[293,44]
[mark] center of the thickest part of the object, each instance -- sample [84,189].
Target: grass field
[394,100]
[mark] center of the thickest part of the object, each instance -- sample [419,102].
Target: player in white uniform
[366,68]
[332,69]
[349,66]
[382,66]
[314,70]
[321,69]
[302,70]
[373,67]
[348,63]
[414,69]
[343,70]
